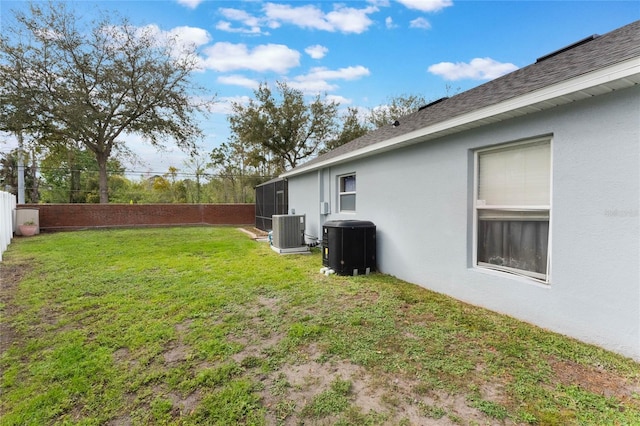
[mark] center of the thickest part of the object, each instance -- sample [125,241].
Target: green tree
[96,83]
[281,130]
[175,187]
[229,162]
[395,108]
[9,176]
[70,175]
[19,118]
[352,128]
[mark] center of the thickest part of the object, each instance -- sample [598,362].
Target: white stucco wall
[420,199]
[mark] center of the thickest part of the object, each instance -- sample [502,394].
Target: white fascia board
[622,70]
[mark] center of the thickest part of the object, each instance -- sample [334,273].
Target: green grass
[205,326]
[332,401]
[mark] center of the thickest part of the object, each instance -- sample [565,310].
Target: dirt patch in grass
[10,276]
[176,354]
[258,336]
[124,420]
[390,400]
[185,405]
[594,379]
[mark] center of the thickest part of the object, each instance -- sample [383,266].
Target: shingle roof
[607,50]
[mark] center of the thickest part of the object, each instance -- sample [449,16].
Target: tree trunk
[21,191]
[103,177]
[75,191]
[35,194]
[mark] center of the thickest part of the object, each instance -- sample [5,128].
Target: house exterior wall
[421,200]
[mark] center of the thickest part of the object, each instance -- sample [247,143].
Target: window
[513,193]
[347,193]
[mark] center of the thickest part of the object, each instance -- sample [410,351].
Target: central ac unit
[288,231]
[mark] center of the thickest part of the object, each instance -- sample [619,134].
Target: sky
[359,53]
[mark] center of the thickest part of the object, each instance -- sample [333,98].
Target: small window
[347,193]
[513,197]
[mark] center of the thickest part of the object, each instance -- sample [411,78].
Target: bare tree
[99,82]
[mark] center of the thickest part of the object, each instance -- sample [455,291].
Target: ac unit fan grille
[288,231]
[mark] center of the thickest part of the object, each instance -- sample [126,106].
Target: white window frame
[342,193]
[543,209]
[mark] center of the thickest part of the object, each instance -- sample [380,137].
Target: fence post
[7,209]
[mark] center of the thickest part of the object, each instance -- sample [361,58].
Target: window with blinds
[513,187]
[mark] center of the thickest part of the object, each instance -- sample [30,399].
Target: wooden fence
[7,212]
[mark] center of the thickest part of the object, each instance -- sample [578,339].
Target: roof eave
[615,77]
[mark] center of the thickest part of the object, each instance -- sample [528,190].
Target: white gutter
[544,98]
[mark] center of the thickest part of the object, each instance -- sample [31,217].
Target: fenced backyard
[203,325]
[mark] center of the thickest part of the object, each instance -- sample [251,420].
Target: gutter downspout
[320,202]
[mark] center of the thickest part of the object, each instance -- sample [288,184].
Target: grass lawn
[203,325]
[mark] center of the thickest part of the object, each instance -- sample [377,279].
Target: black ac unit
[349,246]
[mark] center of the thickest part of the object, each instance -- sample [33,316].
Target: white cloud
[341,18]
[224,56]
[318,79]
[477,69]
[311,87]
[190,36]
[239,80]
[303,16]
[421,23]
[350,20]
[228,27]
[191,4]
[426,5]
[317,51]
[239,15]
[388,22]
[348,73]
[339,99]
[184,37]
[251,24]
[182,41]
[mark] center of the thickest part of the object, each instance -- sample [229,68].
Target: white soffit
[619,76]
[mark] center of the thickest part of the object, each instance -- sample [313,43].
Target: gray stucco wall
[420,199]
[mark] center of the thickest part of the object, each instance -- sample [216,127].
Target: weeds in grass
[432,411]
[330,402]
[204,326]
[235,403]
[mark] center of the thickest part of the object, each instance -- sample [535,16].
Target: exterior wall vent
[288,231]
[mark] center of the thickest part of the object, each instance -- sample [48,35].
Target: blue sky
[358,52]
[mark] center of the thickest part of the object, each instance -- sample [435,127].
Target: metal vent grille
[288,231]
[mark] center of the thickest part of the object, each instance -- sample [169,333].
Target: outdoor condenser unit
[349,246]
[288,231]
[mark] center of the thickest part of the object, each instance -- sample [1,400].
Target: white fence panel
[7,211]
